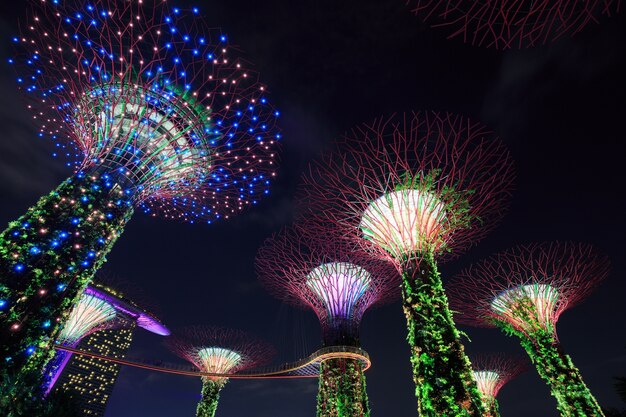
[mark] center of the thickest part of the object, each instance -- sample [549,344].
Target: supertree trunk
[491,404]
[210,397]
[47,258]
[442,372]
[342,390]
[566,384]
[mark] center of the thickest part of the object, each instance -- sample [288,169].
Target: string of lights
[152,109]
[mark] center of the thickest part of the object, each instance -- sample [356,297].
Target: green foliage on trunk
[210,397]
[442,373]
[342,391]
[491,404]
[556,368]
[21,396]
[47,258]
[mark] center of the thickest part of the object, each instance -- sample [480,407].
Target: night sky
[330,65]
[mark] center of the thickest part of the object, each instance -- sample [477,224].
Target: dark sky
[330,65]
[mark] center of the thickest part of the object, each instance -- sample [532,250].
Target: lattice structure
[217,350]
[492,372]
[153,109]
[338,281]
[413,188]
[528,287]
[524,291]
[505,24]
[412,183]
[152,94]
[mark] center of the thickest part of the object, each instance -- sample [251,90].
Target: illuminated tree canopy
[152,95]
[89,313]
[221,351]
[524,291]
[492,372]
[413,183]
[338,281]
[528,287]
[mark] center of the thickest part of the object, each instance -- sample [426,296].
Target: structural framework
[218,351]
[506,24]
[156,111]
[339,282]
[492,372]
[523,291]
[413,188]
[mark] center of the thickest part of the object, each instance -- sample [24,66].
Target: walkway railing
[304,368]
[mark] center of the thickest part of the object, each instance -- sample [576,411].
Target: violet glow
[339,286]
[144,320]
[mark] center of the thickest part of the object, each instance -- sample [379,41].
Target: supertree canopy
[98,308]
[339,282]
[218,351]
[505,24]
[154,110]
[86,316]
[523,291]
[413,188]
[492,372]
[335,279]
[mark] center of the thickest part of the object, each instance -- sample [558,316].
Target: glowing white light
[218,360]
[487,383]
[89,313]
[142,131]
[339,286]
[527,306]
[404,221]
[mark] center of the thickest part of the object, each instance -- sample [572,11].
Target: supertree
[98,308]
[339,282]
[492,372]
[414,188]
[523,291]
[505,24]
[156,111]
[218,351]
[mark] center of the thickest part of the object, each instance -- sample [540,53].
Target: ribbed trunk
[556,368]
[47,258]
[342,391]
[210,397]
[442,373]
